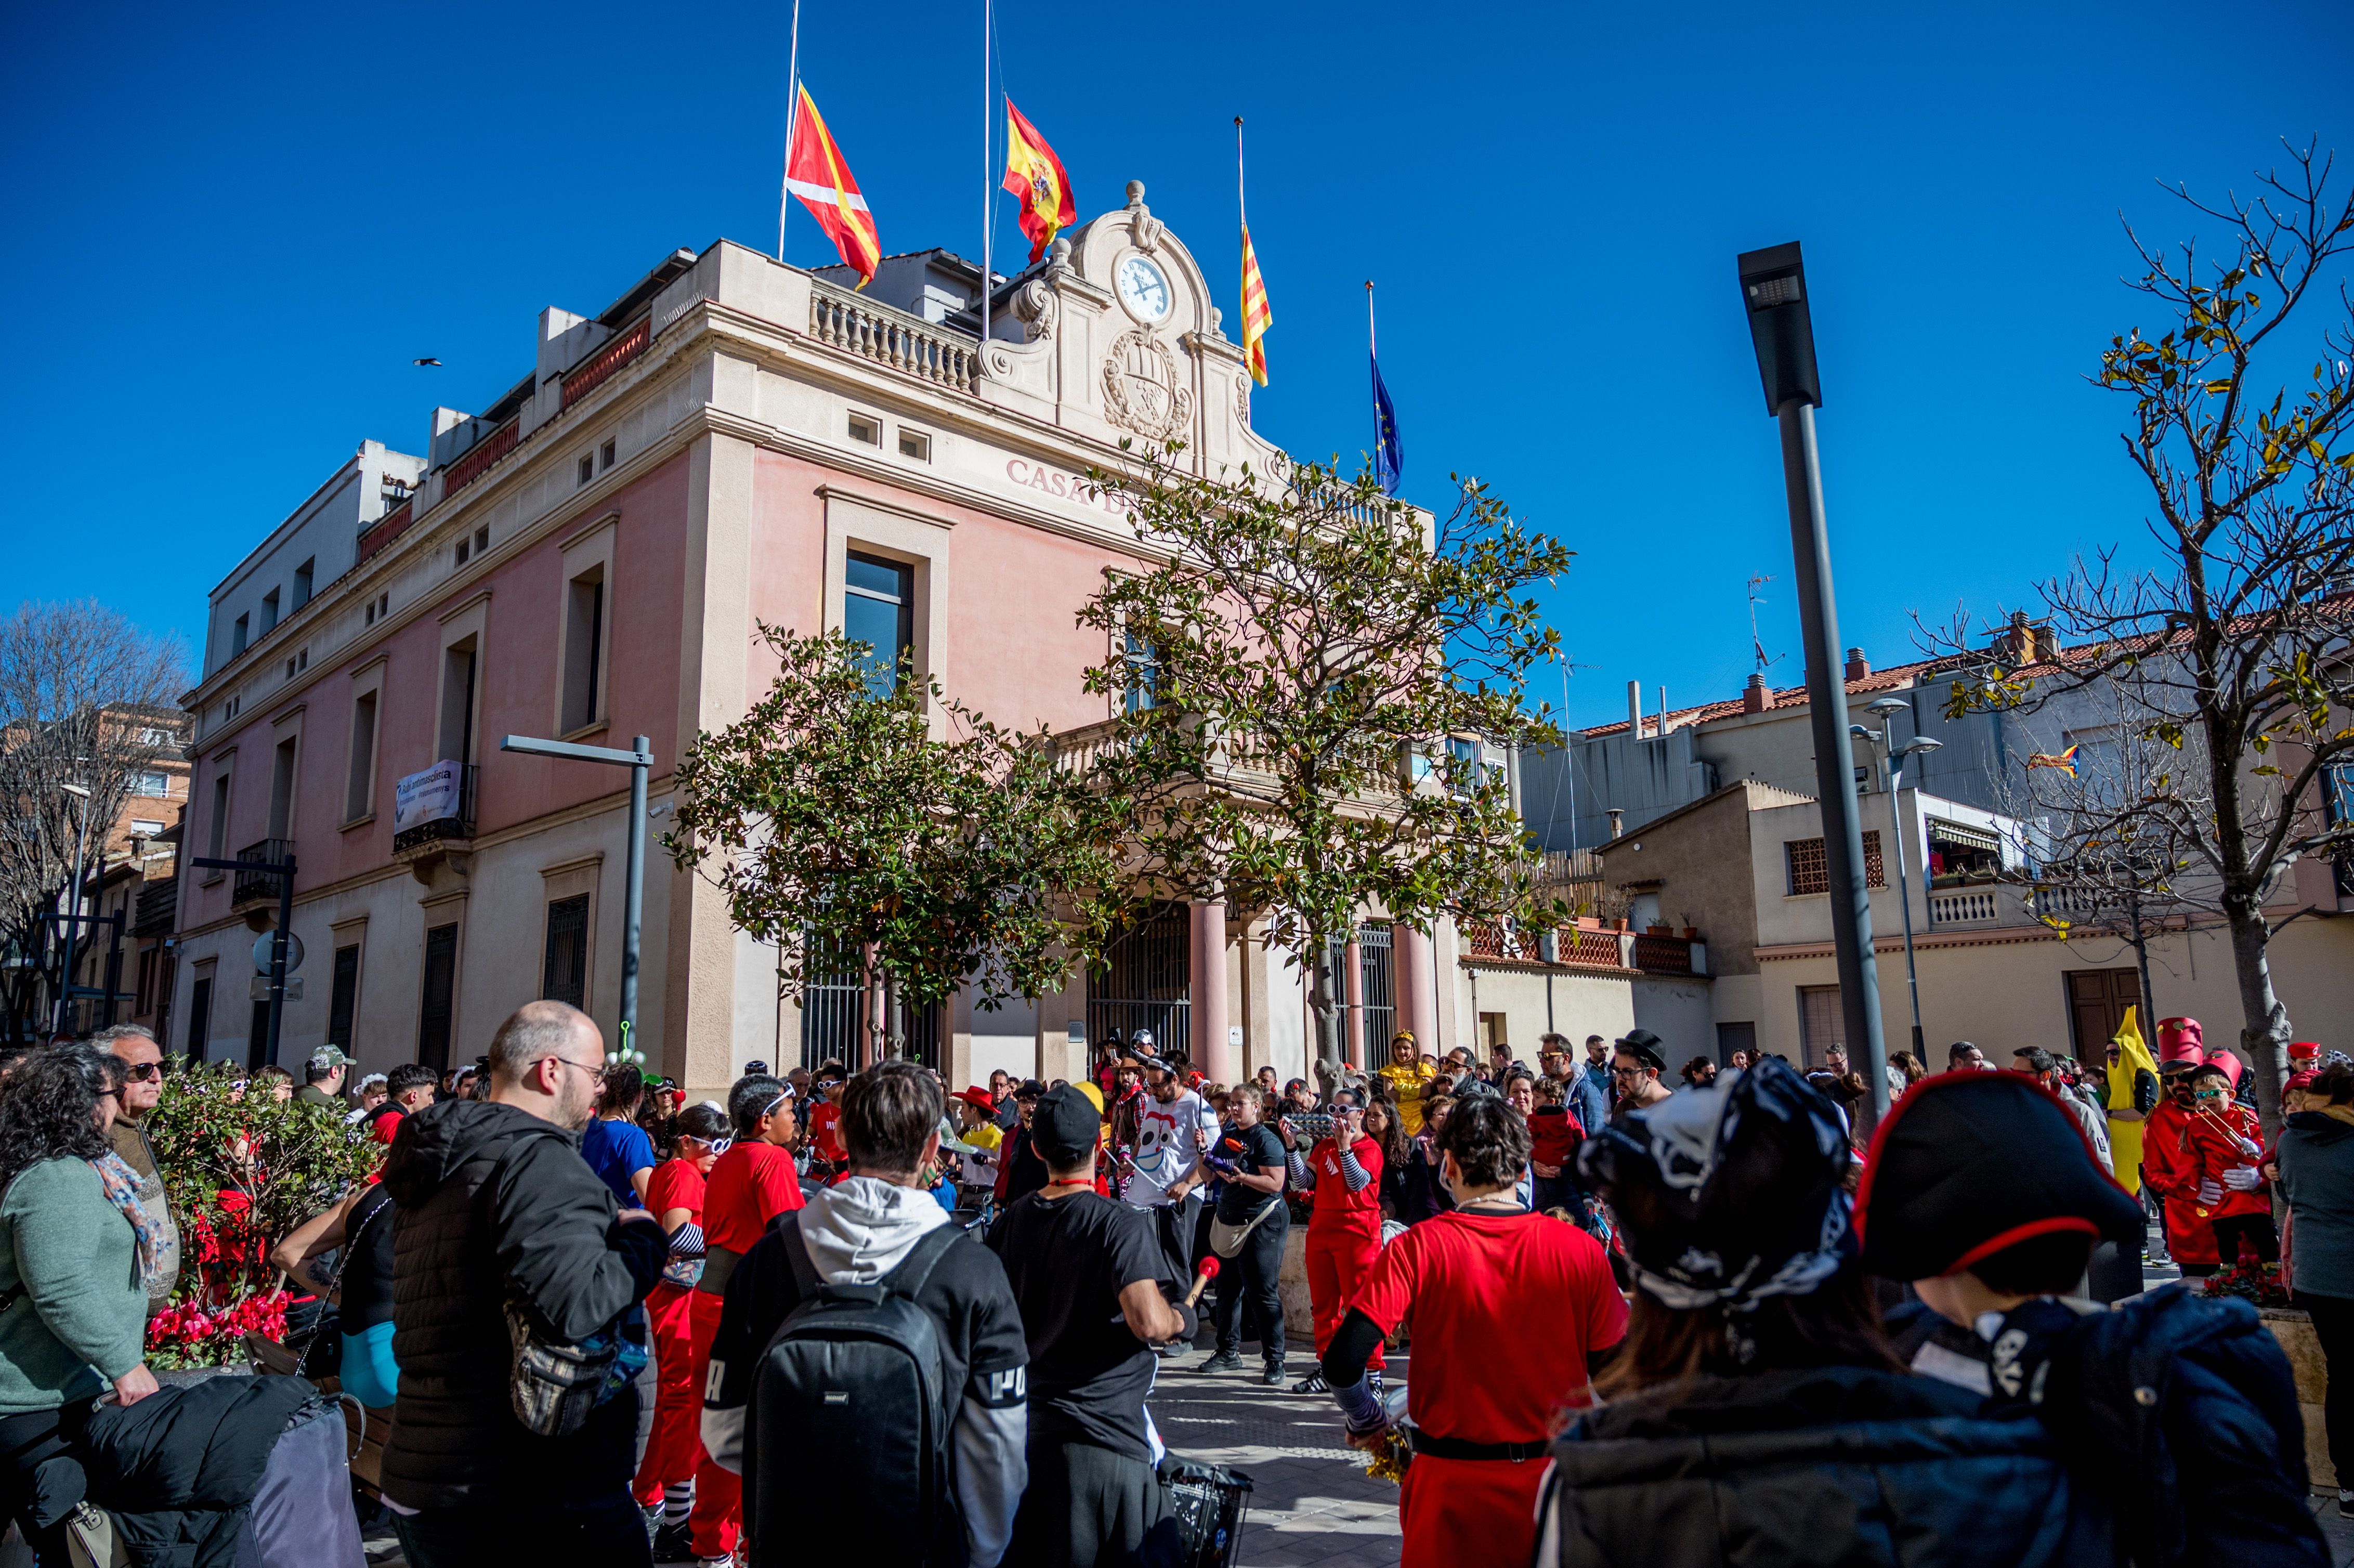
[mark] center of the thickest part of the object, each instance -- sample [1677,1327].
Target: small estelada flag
[816,172]
[1035,177]
[1257,317]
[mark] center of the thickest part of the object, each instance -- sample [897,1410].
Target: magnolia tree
[1309,680]
[847,835]
[2236,639]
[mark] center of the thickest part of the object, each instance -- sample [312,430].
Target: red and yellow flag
[1257,317]
[1035,177]
[816,172]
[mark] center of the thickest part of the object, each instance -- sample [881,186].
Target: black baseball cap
[1065,1128]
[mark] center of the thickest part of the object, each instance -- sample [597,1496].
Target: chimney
[2018,643]
[1617,822]
[1663,710]
[1858,666]
[1635,709]
[1754,698]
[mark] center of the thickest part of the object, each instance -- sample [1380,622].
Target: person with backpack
[2175,1412]
[869,1354]
[1091,1279]
[515,1431]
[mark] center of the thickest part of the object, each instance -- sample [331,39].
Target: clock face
[1144,289]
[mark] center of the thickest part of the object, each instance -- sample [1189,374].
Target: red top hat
[2178,1040]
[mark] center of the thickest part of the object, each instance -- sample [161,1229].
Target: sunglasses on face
[145,1072]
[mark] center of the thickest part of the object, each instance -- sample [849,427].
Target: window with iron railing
[1809,865]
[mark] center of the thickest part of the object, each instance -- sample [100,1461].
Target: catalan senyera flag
[2064,760]
[1257,317]
[1035,177]
[816,172]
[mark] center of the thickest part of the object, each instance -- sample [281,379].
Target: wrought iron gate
[1147,983]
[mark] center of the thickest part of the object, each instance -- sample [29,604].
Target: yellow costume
[1406,1087]
[2125,1136]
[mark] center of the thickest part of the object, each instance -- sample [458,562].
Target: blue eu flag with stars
[1389,457]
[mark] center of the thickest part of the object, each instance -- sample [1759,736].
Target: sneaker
[673,1543]
[1312,1383]
[1373,1380]
[1272,1375]
[1225,1360]
[2345,1503]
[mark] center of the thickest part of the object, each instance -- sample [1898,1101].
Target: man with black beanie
[1091,1280]
[1982,1192]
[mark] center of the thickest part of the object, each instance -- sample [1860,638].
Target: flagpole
[793,123]
[987,196]
[1372,353]
[1242,212]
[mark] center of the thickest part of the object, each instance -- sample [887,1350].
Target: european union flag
[1389,457]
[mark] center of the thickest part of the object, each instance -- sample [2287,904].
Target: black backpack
[847,1432]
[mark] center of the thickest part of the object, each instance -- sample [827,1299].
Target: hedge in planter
[242,1170]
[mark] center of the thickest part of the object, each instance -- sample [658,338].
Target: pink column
[1353,986]
[1212,1054]
[1417,970]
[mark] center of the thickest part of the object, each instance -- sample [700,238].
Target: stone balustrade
[900,342]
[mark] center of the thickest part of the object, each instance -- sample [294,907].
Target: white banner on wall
[426,797]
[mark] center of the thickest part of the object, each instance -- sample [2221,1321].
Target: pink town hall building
[733,440]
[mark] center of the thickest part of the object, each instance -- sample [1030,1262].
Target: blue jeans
[606,1530]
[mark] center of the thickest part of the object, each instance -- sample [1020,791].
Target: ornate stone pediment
[1142,388]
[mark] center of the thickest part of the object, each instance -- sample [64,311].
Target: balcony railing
[386,529]
[893,339]
[260,883]
[458,829]
[479,458]
[608,360]
[1664,955]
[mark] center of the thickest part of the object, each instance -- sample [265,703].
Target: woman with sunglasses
[674,1195]
[76,1252]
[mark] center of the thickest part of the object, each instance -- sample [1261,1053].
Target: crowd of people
[1687,1318]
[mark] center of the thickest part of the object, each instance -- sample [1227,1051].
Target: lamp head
[1887,705]
[81,789]
[1774,292]
[1923,745]
[1864,734]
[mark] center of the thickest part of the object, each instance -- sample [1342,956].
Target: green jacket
[79,1320]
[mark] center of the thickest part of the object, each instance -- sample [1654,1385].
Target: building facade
[732,443]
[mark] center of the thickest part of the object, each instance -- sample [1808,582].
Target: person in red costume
[750,1185]
[2168,1166]
[1344,1232]
[2226,1146]
[674,1196]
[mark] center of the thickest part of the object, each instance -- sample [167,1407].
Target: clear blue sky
[230,230]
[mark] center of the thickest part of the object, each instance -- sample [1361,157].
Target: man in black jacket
[497,1205]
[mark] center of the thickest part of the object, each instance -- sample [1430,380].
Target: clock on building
[1144,289]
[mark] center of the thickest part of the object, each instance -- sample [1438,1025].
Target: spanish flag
[1035,177]
[1257,317]
[816,172]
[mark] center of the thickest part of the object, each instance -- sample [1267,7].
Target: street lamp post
[1920,744]
[73,921]
[1774,292]
[637,760]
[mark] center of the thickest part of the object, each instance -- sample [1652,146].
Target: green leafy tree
[2232,650]
[838,825]
[1311,678]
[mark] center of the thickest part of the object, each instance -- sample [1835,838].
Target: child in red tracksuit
[1344,1234]
[674,1196]
[2227,1151]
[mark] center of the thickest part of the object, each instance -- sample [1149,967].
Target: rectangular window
[1462,764]
[343,999]
[878,608]
[866,430]
[584,649]
[218,832]
[483,539]
[564,971]
[145,827]
[914,444]
[1143,675]
[359,786]
[437,1004]
[457,733]
[1821,1023]
[281,789]
[146,987]
[465,548]
[238,636]
[200,1018]
[269,612]
[157,786]
[587,469]
[1810,864]
[302,582]
[605,455]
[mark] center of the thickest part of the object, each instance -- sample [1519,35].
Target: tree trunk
[1329,1062]
[2264,1030]
[2141,961]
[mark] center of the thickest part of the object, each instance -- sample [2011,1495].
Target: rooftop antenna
[1756,644]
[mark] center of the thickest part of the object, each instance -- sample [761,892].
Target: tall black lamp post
[1774,292]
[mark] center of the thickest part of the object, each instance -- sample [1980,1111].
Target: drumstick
[1208,1272]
